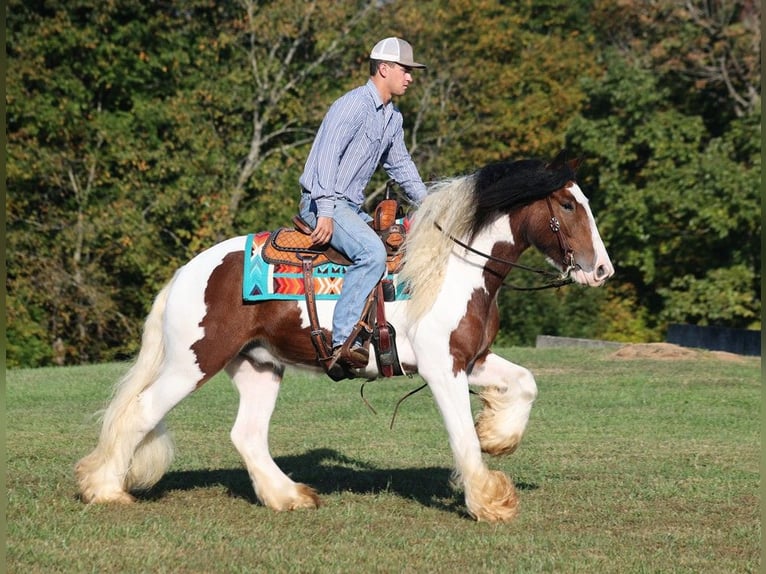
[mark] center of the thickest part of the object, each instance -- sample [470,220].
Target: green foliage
[672,200]
[721,297]
[140,134]
[706,54]
[137,139]
[496,87]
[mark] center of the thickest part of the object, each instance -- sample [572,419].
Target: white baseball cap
[395,50]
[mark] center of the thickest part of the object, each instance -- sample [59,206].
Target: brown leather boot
[355,357]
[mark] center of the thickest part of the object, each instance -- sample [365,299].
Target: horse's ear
[559,160]
[575,163]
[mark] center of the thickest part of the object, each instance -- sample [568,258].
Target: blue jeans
[353,237]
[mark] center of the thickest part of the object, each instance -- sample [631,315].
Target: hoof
[120,497]
[307,498]
[495,445]
[493,499]
[304,497]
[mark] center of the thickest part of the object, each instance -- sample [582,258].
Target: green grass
[627,466]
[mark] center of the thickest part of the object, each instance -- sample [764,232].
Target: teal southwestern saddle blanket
[265,281]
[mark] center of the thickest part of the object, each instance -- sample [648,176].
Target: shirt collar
[375,95]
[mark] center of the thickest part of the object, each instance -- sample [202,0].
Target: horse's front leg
[507,394]
[489,495]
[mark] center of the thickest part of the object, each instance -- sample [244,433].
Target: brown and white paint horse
[200,325]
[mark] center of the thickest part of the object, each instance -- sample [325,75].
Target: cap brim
[409,64]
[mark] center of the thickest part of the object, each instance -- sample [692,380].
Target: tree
[141,133]
[74,74]
[272,62]
[136,133]
[498,87]
[706,51]
[678,204]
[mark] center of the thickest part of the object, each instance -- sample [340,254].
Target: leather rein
[567,257]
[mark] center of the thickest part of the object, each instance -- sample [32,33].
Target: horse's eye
[568,206]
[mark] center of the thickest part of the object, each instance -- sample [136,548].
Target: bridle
[566,250]
[556,279]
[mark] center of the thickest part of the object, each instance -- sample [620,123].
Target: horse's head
[494,215]
[565,231]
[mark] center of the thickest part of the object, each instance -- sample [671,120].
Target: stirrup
[352,354]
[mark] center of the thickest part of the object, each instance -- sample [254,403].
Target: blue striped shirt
[357,133]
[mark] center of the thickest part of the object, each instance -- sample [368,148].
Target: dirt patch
[655,351]
[671,352]
[724,356]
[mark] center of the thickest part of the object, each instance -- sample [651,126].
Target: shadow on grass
[329,472]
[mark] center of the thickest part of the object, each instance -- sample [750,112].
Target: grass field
[630,464]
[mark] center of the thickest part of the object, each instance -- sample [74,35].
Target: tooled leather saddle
[293,246]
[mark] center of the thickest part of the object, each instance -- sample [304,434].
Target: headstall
[556,280]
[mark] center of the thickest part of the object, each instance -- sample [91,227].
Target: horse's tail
[117,465]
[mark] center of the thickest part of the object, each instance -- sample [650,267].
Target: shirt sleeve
[400,167]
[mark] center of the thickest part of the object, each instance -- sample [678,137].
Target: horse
[465,238]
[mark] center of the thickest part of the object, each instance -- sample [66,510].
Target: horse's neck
[494,250]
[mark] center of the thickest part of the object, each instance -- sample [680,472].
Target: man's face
[399,78]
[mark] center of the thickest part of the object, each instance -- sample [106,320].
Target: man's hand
[323,231]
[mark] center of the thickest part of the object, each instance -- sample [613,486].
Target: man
[361,130]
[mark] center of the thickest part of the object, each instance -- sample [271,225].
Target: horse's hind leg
[508,393]
[134,450]
[258,388]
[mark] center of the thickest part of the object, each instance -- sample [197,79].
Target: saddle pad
[263,281]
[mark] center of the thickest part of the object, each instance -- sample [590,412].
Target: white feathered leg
[508,394]
[489,495]
[134,450]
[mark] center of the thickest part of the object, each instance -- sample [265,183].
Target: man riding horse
[361,129]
